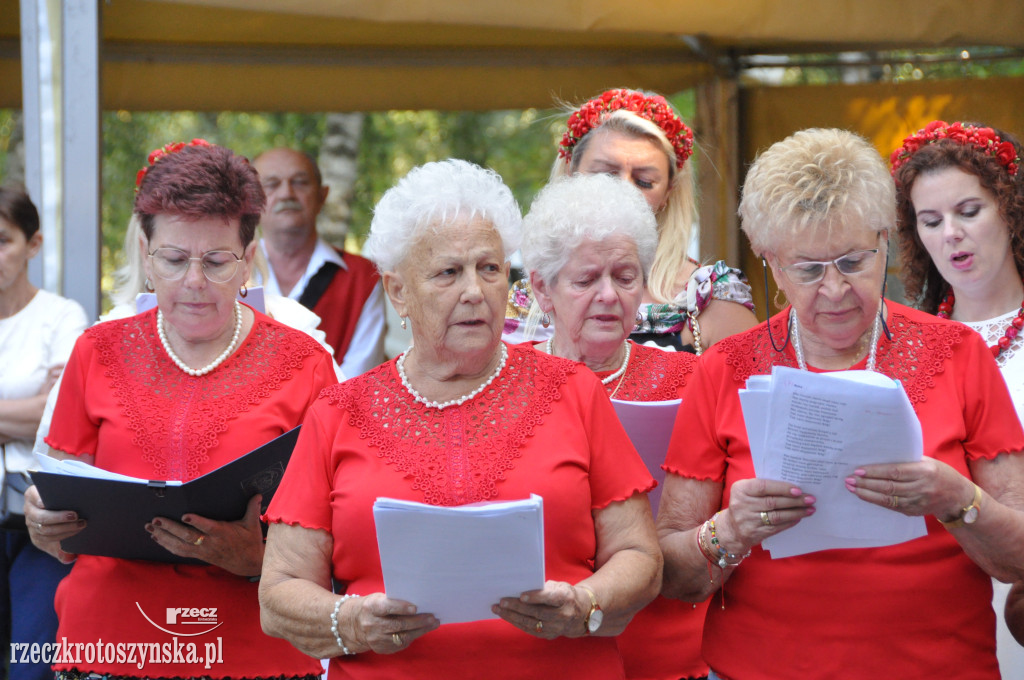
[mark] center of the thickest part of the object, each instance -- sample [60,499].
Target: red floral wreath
[652,107]
[982,138]
[165,150]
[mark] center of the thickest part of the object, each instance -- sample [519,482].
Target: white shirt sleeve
[367,347]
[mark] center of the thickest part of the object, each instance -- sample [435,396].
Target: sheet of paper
[76,468]
[649,426]
[455,562]
[813,430]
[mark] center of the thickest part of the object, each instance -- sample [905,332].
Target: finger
[553,594]
[385,606]
[210,526]
[171,531]
[760,488]
[524,622]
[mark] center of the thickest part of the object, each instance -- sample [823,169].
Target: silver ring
[39,526]
[765,519]
[397,639]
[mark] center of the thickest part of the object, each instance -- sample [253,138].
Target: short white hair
[436,195]
[569,211]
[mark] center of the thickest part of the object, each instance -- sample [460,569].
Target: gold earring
[243,291]
[404,324]
[779,304]
[149,285]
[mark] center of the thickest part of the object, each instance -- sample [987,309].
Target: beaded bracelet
[725,558]
[334,624]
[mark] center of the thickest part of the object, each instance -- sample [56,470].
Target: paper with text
[813,430]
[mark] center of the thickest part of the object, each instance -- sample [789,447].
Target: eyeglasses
[851,264]
[172,264]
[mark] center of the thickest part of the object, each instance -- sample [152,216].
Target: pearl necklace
[946,312]
[196,372]
[798,347]
[400,365]
[608,379]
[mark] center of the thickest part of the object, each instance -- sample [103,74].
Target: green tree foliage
[519,144]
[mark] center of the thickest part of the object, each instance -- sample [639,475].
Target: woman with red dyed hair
[171,394]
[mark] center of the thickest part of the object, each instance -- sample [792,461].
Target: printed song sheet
[455,562]
[649,426]
[814,430]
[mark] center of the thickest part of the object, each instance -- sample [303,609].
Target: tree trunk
[338,154]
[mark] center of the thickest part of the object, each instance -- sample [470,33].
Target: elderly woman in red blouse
[171,394]
[459,418]
[818,206]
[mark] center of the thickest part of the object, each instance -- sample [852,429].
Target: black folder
[117,512]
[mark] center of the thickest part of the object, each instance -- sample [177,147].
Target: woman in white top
[37,331]
[960,199]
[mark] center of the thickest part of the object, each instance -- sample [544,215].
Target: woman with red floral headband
[639,137]
[960,199]
[171,394]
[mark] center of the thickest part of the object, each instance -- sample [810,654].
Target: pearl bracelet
[334,624]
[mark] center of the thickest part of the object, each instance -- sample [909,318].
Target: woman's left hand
[233,546]
[554,611]
[927,487]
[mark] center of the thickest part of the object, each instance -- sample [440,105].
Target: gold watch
[968,515]
[595,616]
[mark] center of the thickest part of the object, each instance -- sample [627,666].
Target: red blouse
[920,609]
[542,427]
[123,401]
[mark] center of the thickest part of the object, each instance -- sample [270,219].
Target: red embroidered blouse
[920,609]
[542,427]
[124,401]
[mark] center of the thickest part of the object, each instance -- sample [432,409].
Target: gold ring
[765,519]
[199,541]
[895,501]
[397,639]
[539,627]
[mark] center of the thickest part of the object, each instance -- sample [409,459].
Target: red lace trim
[457,455]
[652,375]
[176,418]
[917,353]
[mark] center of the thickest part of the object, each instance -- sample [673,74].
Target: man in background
[343,289]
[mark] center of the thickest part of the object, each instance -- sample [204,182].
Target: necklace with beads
[1012,330]
[799,349]
[400,365]
[608,379]
[196,372]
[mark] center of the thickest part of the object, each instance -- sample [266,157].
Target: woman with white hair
[817,207]
[638,137]
[459,418]
[588,245]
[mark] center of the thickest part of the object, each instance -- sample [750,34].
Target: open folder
[117,507]
[455,562]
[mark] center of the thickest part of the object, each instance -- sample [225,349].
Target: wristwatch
[968,515]
[595,616]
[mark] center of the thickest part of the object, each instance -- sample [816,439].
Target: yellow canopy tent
[352,55]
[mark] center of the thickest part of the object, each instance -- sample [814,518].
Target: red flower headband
[165,150]
[982,138]
[652,107]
